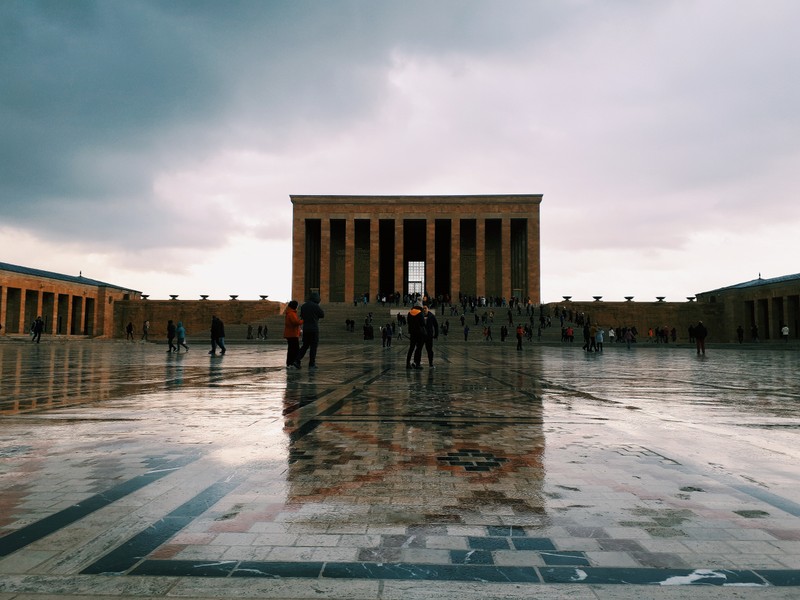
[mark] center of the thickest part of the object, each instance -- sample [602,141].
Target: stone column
[506,258]
[400,285]
[349,258]
[40,304]
[298,257]
[22,326]
[3,302]
[83,314]
[534,289]
[480,256]
[374,258]
[455,259]
[325,260]
[430,257]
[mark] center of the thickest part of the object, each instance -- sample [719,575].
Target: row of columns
[18,320]
[777,311]
[430,264]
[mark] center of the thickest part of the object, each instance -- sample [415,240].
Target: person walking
[217,335]
[180,332]
[785,333]
[700,333]
[129,331]
[37,329]
[586,338]
[291,333]
[171,330]
[598,339]
[628,337]
[431,333]
[310,314]
[145,330]
[416,336]
[519,337]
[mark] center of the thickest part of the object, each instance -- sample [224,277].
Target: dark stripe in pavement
[470,572]
[135,549]
[44,527]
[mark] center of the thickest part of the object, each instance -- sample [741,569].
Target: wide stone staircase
[333,327]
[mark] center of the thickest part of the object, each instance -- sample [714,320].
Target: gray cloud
[626,116]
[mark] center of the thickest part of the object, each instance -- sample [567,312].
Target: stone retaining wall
[195,314]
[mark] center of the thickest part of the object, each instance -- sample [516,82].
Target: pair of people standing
[310,314]
[423,328]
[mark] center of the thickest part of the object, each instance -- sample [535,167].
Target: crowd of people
[421,327]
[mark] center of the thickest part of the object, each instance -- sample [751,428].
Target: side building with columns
[69,305]
[760,306]
[346,247]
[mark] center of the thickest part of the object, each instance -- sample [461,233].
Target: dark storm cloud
[116,116]
[98,98]
[92,95]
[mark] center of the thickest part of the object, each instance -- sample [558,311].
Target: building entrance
[416,277]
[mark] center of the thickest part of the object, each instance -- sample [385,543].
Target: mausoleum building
[348,247]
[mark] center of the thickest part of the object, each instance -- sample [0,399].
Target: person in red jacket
[291,331]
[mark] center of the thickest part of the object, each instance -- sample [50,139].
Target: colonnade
[62,313]
[768,315]
[346,247]
[68,305]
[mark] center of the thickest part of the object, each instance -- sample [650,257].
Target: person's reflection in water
[215,376]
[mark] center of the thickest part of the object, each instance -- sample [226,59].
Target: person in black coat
[310,313]
[171,329]
[217,335]
[416,335]
[700,333]
[431,333]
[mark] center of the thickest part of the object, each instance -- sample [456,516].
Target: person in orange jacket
[291,331]
[417,332]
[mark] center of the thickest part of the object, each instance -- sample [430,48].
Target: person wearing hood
[180,332]
[291,332]
[310,314]
[416,335]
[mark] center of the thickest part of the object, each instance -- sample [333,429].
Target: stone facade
[646,315]
[345,247]
[81,307]
[194,314]
[69,305]
[761,306]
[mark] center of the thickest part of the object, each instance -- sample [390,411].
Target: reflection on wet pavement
[548,466]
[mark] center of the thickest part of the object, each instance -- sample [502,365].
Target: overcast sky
[154,145]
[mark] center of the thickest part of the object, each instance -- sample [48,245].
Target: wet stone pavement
[547,473]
